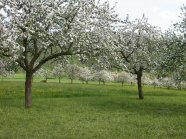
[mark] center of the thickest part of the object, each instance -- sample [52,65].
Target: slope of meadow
[80,111]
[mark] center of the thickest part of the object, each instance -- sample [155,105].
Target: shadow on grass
[153,106]
[158,102]
[133,105]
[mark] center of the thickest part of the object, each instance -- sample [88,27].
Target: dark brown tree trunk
[71,81]
[28,90]
[139,76]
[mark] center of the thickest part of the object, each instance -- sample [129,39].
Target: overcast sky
[162,13]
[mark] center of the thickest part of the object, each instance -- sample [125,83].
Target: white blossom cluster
[135,44]
[5,71]
[37,31]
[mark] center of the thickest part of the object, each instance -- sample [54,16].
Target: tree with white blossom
[172,55]
[85,74]
[58,72]
[155,82]
[34,32]
[136,48]
[103,76]
[147,79]
[167,82]
[72,71]
[179,76]
[123,77]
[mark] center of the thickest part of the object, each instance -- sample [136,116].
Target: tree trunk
[71,81]
[28,90]
[59,79]
[122,83]
[179,85]
[139,76]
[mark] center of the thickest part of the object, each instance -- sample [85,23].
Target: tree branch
[43,61]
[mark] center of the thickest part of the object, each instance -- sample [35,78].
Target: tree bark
[28,90]
[71,81]
[139,77]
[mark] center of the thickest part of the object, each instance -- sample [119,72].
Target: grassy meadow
[81,111]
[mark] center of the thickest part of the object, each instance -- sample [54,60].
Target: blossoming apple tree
[136,48]
[33,32]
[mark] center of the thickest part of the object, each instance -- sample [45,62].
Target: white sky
[161,13]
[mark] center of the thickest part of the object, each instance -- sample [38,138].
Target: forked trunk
[140,91]
[28,90]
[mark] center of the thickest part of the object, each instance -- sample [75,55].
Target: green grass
[80,111]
